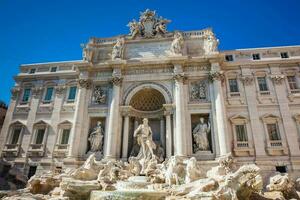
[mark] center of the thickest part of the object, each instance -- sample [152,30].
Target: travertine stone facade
[244,101]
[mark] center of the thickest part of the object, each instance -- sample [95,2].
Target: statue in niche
[210,43]
[118,48]
[100,95]
[144,138]
[96,138]
[177,44]
[199,90]
[200,135]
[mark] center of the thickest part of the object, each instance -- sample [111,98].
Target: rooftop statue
[148,26]
[118,48]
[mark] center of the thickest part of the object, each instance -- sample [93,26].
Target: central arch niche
[148,103]
[147,99]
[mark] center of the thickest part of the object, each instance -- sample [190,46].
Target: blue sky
[43,31]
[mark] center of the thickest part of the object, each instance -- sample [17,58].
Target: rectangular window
[292,82]
[72,93]
[273,132]
[32,71]
[262,84]
[65,136]
[256,56]
[49,93]
[26,95]
[241,134]
[15,136]
[53,69]
[233,85]
[284,55]
[229,58]
[40,136]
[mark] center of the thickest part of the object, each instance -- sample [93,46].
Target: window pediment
[238,119]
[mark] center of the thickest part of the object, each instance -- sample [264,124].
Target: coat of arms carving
[148,26]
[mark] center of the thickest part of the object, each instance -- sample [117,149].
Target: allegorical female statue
[144,138]
[200,135]
[177,44]
[118,48]
[96,138]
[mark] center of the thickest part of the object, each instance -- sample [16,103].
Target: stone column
[113,133]
[125,135]
[180,137]
[31,118]
[55,117]
[254,120]
[285,112]
[162,132]
[168,138]
[216,76]
[9,117]
[79,117]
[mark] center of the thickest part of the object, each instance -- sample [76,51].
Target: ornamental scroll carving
[180,77]
[36,91]
[148,26]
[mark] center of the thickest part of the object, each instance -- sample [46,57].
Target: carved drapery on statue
[177,44]
[200,135]
[211,43]
[148,26]
[118,49]
[95,140]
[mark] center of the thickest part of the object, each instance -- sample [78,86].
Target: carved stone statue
[118,48]
[200,135]
[177,44]
[144,138]
[96,138]
[210,43]
[148,26]
[135,28]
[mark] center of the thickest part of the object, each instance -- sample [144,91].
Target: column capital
[36,91]
[85,83]
[215,75]
[277,78]
[180,77]
[125,110]
[59,89]
[14,92]
[168,109]
[247,79]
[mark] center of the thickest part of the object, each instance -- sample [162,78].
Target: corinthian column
[216,76]
[180,137]
[80,115]
[113,138]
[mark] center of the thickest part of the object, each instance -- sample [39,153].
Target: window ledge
[36,150]
[276,148]
[11,150]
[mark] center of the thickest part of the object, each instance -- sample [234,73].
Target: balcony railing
[242,144]
[276,143]
[295,91]
[234,94]
[264,93]
[11,146]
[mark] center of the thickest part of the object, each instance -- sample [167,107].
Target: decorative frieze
[277,79]
[85,83]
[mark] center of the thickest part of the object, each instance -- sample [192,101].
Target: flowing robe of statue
[144,138]
[96,138]
[200,135]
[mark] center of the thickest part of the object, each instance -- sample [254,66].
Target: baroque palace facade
[199,101]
